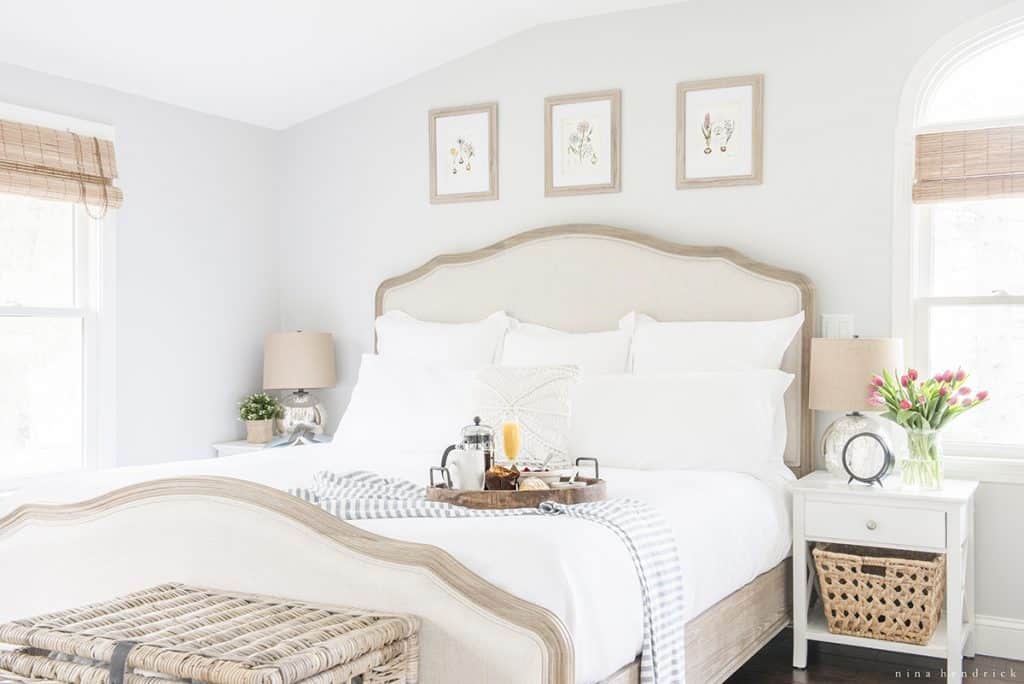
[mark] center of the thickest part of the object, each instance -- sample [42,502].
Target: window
[56,294]
[47,323]
[967,294]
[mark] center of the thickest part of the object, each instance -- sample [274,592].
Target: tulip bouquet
[923,407]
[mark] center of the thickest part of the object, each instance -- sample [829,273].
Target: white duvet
[729,527]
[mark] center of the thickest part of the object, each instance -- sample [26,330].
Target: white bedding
[730,527]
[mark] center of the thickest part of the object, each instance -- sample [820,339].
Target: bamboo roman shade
[965,165]
[58,165]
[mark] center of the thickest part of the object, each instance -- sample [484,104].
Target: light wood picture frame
[582,143]
[460,173]
[720,132]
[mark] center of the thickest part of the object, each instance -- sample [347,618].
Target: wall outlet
[837,325]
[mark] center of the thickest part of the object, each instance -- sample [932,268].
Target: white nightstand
[237,447]
[827,509]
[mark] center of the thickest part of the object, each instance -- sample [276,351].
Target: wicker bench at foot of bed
[187,633]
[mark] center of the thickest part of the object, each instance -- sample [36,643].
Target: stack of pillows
[648,395]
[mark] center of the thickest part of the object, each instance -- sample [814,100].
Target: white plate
[548,476]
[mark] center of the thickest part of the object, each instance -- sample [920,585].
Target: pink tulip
[967,403]
[912,373]
[904,380]
[964,390]
[876,399]
[982,395]
[938,377]
[921,400]
[944,390]
[947,376]
[904,404]
[952,400]
[960,375]
[876,381]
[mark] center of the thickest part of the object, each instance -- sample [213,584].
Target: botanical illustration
[460,156]
[718,131]
[580,147]
[464,153]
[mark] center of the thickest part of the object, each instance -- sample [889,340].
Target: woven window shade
[965,165]
[58,165]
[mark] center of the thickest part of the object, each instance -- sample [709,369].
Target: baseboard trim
[998,636]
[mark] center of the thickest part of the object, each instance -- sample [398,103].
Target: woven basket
[174,632]
[869,592]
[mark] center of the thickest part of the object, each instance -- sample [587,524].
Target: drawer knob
[872,525]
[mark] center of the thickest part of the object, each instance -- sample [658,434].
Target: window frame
[982,461]
[95,242]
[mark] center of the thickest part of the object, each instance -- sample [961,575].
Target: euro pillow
[681,421]
[596,352]
[464,345]
[709,345]
[402,410]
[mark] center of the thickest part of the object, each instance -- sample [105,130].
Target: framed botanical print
[582,142]
[464,153]
[719,130]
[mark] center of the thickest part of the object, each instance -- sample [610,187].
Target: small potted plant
[259,411]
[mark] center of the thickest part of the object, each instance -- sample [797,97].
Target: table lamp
[299,361]
[841,371]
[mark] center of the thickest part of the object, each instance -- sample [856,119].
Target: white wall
[833,77]
[355,204]
[196,268]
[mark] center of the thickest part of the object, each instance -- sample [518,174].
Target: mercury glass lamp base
[301,410]
[839,433]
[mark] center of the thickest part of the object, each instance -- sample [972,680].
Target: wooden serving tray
[594,491]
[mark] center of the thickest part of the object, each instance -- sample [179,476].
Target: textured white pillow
[706,421]
[709,345]
[535,345]
[403,409]
[466,345]
[535,397]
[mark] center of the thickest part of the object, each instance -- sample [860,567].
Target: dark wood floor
[833,664]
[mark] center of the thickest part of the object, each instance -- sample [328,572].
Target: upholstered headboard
[583,278]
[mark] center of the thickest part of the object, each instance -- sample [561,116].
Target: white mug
[466,468]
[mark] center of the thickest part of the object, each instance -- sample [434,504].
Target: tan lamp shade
[298,360]
[841,370]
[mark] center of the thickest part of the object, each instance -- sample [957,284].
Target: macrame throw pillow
[538,398]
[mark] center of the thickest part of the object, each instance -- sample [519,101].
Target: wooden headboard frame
[586,277]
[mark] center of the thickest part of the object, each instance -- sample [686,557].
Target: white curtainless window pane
[988,341]
[37,259]
[989,85]
[41,401]
[978,248]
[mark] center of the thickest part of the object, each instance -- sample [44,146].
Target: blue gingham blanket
[363,495]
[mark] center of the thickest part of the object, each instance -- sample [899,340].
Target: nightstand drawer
[863,524]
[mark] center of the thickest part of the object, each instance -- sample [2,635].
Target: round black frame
[888,462]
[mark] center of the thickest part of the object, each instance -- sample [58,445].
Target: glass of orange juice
[510,440]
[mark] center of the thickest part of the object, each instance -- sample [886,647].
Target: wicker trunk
[881,593]
[187,633]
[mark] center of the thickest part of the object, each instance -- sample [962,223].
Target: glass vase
[922,463]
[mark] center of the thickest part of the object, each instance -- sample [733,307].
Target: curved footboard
[237,535]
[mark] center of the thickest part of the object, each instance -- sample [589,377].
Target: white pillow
[537,398]
[709,345]
[466,345]
[706,421]
[401,408]
[536,345]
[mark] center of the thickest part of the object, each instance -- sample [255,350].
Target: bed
[229,524]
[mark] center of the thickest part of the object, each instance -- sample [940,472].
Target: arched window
[967,288]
